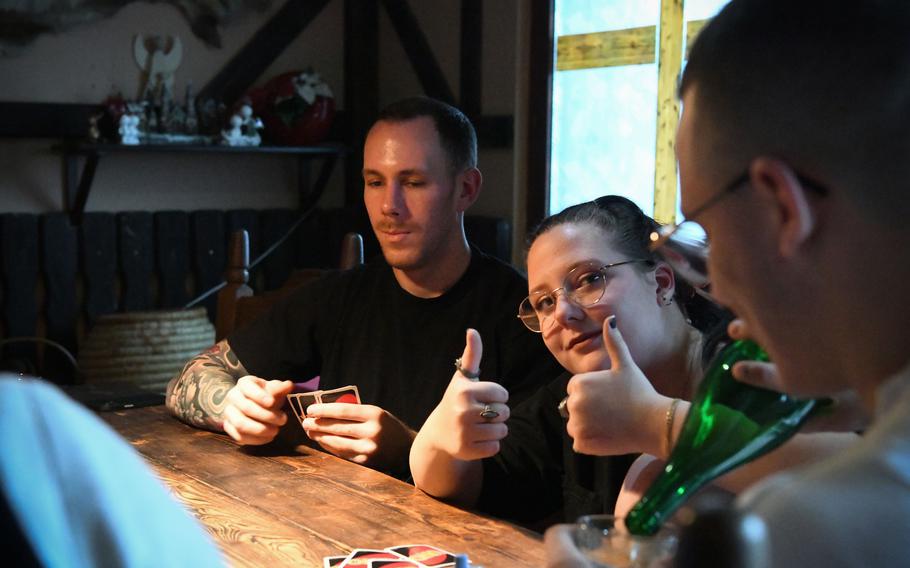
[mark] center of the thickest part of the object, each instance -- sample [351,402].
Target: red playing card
[347,394]
[425,554]
[363,557]
[333,561]
[301,401]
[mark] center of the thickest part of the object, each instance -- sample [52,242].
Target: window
[605,112]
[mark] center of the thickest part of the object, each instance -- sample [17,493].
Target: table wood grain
[292,508]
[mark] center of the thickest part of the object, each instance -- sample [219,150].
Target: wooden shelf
[78,182]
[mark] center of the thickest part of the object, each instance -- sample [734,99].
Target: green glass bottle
[729,423]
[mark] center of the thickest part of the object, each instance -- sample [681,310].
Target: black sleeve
[523,482]
[282,343]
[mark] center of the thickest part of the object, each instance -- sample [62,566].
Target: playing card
[333,561]
[348,394]
[301,401]
[363,557]
[425,554]
[294,404]
[394,564]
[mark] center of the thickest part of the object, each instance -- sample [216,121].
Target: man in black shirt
[392,328]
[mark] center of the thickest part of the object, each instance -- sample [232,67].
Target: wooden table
[293,509]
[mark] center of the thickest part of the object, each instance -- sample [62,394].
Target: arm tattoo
[197,395]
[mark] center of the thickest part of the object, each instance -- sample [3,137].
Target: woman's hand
[466,426]
[456,425]
[616,411]
[638,480]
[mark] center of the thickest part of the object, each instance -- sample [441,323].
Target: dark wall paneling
[172,238]
[59,261]
[275,269]
[136,260]
[119,258]
[208,252]
[19,270]
[99,264]
[491,234]
[305,242]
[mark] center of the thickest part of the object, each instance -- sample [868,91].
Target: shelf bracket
[75,196]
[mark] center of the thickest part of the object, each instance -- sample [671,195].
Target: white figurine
[234,136]
[129,129]
[244,129]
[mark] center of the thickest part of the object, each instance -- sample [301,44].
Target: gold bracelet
[671,414]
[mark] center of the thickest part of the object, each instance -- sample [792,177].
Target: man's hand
[445,456]
[252,413]
[456,426]
[361,433]
[616,411]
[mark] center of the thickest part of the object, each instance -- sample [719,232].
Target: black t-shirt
[359,327]
[536,477]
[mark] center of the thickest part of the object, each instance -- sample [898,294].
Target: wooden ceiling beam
[471,80]
[239,74]
[418,50]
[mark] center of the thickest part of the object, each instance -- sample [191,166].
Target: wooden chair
[236,303]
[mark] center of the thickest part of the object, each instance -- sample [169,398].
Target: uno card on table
[366,556]
[348,394]
[425,554]
[333,561]
[394,564]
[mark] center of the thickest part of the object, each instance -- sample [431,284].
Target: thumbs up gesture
[616,411]
[470,419]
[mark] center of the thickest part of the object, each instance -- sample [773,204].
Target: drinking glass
[605,543]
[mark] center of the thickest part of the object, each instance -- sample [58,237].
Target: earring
[667,300]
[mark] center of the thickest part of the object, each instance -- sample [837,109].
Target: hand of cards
[302,400]
[402,556]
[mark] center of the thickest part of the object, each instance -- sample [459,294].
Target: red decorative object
[289,118]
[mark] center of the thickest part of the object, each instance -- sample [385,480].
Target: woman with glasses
[636,339]
[589,267]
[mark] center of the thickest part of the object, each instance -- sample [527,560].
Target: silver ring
[471,375]
[564,408]
[488,413]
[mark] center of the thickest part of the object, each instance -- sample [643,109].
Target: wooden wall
[56,278]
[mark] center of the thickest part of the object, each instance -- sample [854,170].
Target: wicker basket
[146,348]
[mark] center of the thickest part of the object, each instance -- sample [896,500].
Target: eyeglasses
[584,286]
[685,245]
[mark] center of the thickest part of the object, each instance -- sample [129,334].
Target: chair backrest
[236,303]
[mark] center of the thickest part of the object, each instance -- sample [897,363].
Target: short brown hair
[456,133]
[821,84]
